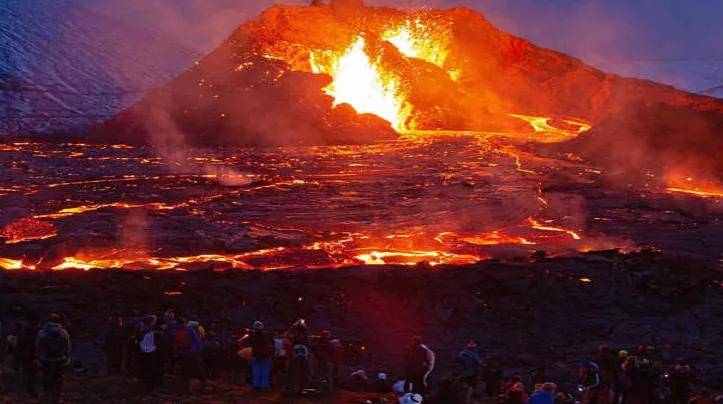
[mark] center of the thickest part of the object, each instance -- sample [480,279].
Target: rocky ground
[540,317]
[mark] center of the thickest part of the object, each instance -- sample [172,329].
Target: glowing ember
[536,224]
[6,263]
[566,129]
[697,192]
[415,39]
[27,229]
[415,257]
[361,83]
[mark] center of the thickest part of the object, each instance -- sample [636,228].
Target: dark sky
[588,28]
[612,34]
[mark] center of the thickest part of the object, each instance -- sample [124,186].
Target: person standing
[470,364]
[26,355]
[262,349]
[52,355]
[415,366]
[324,351]
[492,374]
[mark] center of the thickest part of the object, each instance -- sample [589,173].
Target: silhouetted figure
[470,364]
[150,368]
[492,375]
[52,355]
[114,344]
[415,366]
[262,350]
[25,352]
[680,379]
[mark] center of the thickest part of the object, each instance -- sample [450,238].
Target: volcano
[344,73]
[337,135]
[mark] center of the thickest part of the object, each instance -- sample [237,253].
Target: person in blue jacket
[470,363]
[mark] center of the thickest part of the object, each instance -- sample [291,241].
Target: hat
[471,344]
[622,353]
[382,376]
[192,323]
[258,325]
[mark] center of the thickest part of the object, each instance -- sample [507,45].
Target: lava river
[448,198]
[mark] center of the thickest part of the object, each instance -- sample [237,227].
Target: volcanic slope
[300,75]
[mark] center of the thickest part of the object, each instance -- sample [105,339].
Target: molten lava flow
[418,40]
[27,229]
[7,263]
[415,257]
[691,186]
[544,125]
[697,192]
[536,224]
[361,83]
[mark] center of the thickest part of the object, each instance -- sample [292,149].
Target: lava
[554,130]
[361,83]
[537,224]
[697,192]
[27,229]
[419,40]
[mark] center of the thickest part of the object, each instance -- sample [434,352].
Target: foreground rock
[545,316]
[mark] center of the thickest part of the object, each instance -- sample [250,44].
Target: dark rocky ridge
[543,316]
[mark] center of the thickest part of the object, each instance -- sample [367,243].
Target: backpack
[590,374]
[54,345]
[301,352]
[148,343]
[181,340]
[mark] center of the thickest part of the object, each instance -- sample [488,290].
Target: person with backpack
[595,391]
[150,372]
[187,348]
[262,350]
[470,364]
[415,366]
[52,355]
[298,374]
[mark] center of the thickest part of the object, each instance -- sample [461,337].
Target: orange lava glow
[415,257]
[537,224]
[362,83]
[419,40]
[551,130]
[7,263]
[697,192]
[27,229]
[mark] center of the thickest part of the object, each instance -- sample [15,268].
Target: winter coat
[470,363]
[52,344]
[542,397]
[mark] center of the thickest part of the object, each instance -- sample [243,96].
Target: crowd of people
[298,363]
